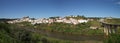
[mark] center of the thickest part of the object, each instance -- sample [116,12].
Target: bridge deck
[104,23]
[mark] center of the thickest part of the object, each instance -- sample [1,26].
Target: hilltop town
[68,19]
[93,21]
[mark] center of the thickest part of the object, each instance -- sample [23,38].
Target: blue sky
[48,8]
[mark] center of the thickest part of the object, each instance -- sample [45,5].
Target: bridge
[110,28]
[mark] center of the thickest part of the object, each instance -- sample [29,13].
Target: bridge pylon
[110,28]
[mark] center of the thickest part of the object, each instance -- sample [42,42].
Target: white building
[82,21]
[43,20]
[74,21]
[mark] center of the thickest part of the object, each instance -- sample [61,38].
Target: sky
[50,8]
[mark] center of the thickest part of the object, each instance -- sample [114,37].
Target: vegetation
[18,33]
[113,38]
[14,33]
[82,28]
[113,21]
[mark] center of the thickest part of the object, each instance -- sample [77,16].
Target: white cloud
[118,3]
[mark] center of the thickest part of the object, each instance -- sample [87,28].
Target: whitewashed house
[82,21]
[59,20]
[74,21]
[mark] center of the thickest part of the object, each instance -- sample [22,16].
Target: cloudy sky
[48,8]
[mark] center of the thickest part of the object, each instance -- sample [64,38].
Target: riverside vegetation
[18,33]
